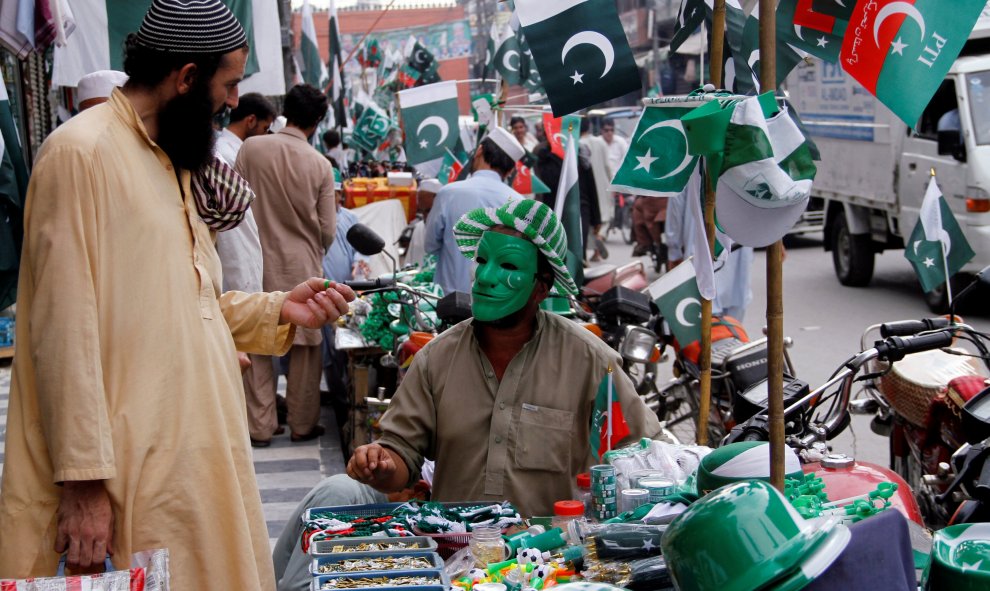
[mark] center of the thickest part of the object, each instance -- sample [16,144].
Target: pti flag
[657,162]
[676,294]
[315,72]
[901,50]
[13,186]
[429,118]
[840,9]
[937,248]
[823,43]
[608,424]
[580,50]
[452,164]
[568,210]
[527,183]
[557,130]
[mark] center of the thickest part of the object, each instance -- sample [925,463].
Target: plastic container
[632,498]
[487,544]
[565,512]
[584,491]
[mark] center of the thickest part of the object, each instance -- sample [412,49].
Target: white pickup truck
[874,169]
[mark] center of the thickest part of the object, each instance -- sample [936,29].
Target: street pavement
[824,319]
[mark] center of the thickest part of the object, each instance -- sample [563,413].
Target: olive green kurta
[525,438]
[125,367]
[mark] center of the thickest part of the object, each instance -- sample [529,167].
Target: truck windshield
[978,85]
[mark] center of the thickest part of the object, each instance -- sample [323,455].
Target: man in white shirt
[240,248]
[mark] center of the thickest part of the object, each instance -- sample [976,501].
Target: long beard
[185,128]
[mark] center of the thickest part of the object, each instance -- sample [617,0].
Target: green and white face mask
[505,277]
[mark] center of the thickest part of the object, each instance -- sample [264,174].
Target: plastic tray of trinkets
[320,580]
[435,562]
[409,545]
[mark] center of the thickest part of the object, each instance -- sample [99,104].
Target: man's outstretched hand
[312,305]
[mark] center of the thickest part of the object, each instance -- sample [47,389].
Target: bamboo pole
[705,356]
[775,276]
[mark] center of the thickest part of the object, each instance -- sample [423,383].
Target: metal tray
[436,563]
[426,545]
[436,574]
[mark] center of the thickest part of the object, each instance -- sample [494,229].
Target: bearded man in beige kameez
[126,426]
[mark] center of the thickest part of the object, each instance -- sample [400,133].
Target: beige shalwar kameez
[125,368]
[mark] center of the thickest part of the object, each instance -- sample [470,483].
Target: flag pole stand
[775,276]
[705,355]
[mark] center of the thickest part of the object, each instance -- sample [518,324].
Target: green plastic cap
[960,559]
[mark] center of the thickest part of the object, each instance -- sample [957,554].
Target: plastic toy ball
[529,556]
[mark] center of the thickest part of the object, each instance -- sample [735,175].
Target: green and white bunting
[580,50]
[315,72]
[13,187]
[937,248]
[429,118]
[676,294]
[657,162]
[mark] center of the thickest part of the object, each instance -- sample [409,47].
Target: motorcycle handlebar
[380,283]
[895,348]
[906,328]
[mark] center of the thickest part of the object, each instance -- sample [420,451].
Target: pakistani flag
[337,90]
[13,187]
[315,72]
[580,50]
[747,60]
[901,50]
[608,423]
[429,118]
[823,43]
[676,294]
[372,128]
[937,248]
[568,209]
[657,162]
[508,59]
[102,25]
[490,49]
[690,16]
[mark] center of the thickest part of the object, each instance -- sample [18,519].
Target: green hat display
[534,220]
[747,536]
[960,559]
[742,461]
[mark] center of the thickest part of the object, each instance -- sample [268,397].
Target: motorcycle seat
[592,273]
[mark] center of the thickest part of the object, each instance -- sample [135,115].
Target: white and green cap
[534,220]
[743,460]
[766,176]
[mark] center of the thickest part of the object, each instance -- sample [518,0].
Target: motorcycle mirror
[365,240]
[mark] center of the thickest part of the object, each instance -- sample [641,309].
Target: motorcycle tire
[679,410]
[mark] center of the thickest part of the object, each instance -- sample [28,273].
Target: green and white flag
[337,91]
[508,59]
[315,72]
[690,16]
[937,247]
[13,187]
[102,25]
[429,118]
[372,127]
[676,294]
[580,50]
[491,48]
[747,60]
[568,208]
[821,44]
[657,162]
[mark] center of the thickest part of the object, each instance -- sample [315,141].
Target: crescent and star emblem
[797,31]
[434,121]
[647,160]
[589,38]
[905,8]
[507,62]
[682,307]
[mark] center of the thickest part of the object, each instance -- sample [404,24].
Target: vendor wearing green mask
[504,402]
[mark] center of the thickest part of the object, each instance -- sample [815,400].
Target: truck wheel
[852,255]
[938,299]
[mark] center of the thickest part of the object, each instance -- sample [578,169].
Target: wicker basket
[915,381]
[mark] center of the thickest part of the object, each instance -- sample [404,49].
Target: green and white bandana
[534,220]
